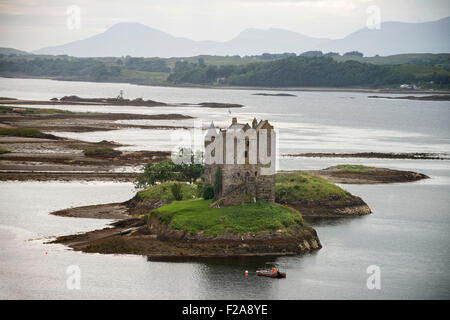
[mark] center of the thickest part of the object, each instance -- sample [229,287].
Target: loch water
[406,237]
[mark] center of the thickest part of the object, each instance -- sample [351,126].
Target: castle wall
[242,182]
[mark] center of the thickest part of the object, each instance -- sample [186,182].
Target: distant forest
[312,69]
[309,72]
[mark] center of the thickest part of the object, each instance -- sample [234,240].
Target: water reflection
[321,222]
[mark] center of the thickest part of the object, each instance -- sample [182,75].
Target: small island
[191,228]
[275,94]
[360,174]
[233,210]
[431,97]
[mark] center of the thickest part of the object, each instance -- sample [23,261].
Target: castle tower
[246,172]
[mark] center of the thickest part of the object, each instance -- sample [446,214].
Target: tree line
[316,71]
[311,70]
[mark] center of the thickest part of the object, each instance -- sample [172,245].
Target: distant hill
[138,40]
[8,51]
[399,37]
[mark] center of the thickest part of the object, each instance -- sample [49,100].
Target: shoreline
[157,241]
[306,89]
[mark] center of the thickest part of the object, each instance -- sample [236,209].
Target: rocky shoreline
[156,241]
[40,159]
[75,100]
[368,175]
[79,121]
[331,208]
[30,154]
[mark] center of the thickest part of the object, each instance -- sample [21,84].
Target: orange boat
[271,273]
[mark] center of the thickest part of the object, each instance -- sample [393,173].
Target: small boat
[270,274]
[273,272]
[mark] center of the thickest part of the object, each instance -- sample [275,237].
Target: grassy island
[303,186]
[353,168]
[195,215]
[316,196]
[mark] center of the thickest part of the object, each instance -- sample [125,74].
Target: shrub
[208,192]
[176,191]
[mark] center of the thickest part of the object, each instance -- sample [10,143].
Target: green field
[195,215]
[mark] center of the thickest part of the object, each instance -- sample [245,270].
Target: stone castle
[242,157]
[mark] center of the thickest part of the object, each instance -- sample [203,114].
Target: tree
[192,169]
[156,172]
[312,54]
[354,53]
[168,170]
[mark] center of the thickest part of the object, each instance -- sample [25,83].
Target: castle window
[256,173]
[238,174]
[246,154]
[247,175]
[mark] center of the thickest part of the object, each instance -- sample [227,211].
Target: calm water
[406,236]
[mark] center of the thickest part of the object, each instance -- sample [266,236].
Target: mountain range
[139,40]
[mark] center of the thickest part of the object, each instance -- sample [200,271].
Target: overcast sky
[32,24]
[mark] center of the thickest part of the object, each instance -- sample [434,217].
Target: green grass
[216,60]
[353,168]
[195,215]
[302,186]
[6,109]
[3,151]
[162,191]
[102,152]
[21,132]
